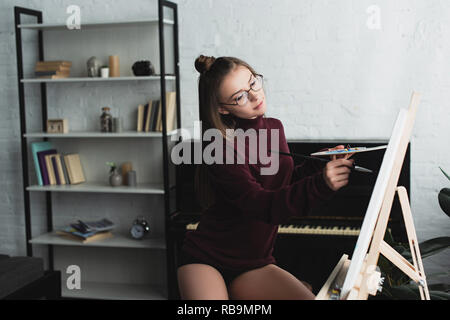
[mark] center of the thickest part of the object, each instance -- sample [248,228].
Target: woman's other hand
[336,173]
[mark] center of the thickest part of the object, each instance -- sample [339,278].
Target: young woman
[229,255]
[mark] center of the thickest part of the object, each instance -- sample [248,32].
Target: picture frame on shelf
[57,126]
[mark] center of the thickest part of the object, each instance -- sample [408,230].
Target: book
[64,169]
[348,150]
[144,121]
[52,69]
[73,234]
[140,117]
[154,115]
[74,168]
[171,103]
[55,76]
[58,168]
[55,169]
[147,120]
[158,117]
[69,173]
[50,73]
[35,148]
[43,166]
[54,63]
[50,170]
[170,112]
[49,68]
[93,226]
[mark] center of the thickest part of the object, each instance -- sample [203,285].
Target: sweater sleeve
[235,186]
[307,168]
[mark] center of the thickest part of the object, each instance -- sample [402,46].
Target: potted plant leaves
[444,196]
[115,178]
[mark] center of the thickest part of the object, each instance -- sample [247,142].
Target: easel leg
[414,271]
[413,243]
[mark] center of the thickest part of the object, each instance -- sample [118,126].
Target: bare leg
[201,282]
[269,282]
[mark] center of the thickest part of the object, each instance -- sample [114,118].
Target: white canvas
[376,200]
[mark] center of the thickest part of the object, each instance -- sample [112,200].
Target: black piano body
[308,247]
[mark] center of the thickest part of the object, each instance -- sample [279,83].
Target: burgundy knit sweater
[240,229]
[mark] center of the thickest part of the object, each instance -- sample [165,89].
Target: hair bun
[203,63]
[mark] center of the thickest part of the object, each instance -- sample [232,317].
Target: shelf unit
[93,289]
[114,291]
[118,241]
[95,25]
[83,134]
[87,79]
[99,186]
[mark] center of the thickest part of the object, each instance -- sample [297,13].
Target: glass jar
[106,120]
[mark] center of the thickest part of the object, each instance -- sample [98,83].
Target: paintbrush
[355,167]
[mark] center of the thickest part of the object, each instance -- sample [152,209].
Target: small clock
[140,228]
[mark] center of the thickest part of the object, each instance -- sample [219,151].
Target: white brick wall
[328,75]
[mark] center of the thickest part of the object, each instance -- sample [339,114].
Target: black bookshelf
[168,190]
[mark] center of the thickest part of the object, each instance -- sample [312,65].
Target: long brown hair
[212,72]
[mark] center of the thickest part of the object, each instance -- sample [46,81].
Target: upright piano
[308,247]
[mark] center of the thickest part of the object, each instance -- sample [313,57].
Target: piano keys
[307,229]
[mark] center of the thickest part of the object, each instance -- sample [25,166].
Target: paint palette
[347,150]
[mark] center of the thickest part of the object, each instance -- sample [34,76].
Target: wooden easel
[369,278]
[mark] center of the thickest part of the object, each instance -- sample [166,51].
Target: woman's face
[233,85]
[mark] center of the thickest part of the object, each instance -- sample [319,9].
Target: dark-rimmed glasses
[242,98]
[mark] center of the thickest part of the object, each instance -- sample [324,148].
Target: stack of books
[53,168]
[150,116]
[85,232]
[52,69]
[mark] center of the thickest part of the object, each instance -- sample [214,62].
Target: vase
[106,120]
[115,178]
[131,178]
[114,67]
[104,72]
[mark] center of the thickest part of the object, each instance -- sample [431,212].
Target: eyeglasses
[242,98]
